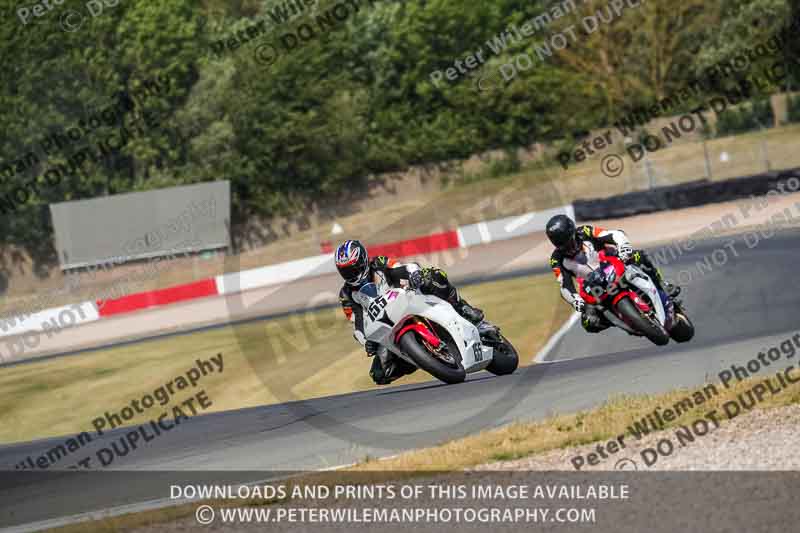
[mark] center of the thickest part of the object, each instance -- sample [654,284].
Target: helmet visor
[353,273]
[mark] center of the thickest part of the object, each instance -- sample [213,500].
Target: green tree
[643,55]
[748,25]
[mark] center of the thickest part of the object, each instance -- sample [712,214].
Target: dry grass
[606,422]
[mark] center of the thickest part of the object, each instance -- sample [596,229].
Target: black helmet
[352,262]
[561,232]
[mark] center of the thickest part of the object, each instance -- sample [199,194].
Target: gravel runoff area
[763,439]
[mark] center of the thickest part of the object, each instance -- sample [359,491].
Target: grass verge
[606,422]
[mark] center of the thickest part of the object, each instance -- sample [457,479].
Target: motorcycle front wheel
[644,325]
[683,330]
[431,364]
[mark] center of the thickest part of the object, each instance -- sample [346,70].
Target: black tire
[505,360]
[634,318]
[427,362]
[683,330]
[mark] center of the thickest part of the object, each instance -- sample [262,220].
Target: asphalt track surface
[744,306]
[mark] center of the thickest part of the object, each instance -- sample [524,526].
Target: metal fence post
[765,154]
[650,175]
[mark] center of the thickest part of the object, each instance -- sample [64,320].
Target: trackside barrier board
[308,267]
[58,317]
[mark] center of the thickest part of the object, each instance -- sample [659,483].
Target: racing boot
[671,290]
[593,322]
[387,368]
[473,314]
[378,374]
[642,259]
[488,331]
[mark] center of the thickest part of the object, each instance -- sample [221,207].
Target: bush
[510,164]
[642,135]
[755,116]
[496,168]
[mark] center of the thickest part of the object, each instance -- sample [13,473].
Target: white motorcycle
[428,333]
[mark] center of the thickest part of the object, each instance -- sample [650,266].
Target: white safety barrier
[53,319]
[510,227]
[308,267]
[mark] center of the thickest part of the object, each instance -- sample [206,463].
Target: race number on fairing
[376,308]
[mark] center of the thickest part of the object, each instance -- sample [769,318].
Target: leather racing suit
[386,367]
[592,240]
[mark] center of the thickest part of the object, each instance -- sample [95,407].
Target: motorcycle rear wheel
[430,364]
[634,318]
[505,360]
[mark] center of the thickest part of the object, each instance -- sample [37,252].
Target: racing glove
[579,304]
[420,279]
[372,348]
[624,252]
[591,321]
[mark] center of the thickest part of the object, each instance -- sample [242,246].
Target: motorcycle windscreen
[366,294]
[370,290]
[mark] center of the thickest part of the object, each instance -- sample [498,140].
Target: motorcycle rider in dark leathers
[357,269]
[576,252]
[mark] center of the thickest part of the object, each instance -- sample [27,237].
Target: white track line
[555,338]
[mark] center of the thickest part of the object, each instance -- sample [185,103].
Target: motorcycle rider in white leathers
[576,255]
